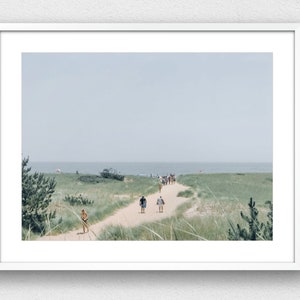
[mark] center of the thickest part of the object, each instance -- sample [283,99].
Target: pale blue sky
[206,107]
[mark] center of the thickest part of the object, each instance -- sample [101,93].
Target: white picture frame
[280,254]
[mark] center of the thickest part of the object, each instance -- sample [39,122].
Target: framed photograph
[149,147]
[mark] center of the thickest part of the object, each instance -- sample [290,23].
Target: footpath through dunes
[130,216]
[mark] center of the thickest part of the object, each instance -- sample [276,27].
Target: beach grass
[107,196]
[214,200]
[238,187]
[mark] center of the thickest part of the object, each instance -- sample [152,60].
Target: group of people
[160,202]
[169,179]
[164,180]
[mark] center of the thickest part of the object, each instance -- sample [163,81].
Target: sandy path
[130,216]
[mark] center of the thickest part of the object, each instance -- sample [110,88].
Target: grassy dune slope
[108,195]
[213,200]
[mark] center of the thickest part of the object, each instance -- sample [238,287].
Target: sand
[129,216]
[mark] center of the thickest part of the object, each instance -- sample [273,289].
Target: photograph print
[147,146]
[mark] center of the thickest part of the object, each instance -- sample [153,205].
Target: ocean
[150,168]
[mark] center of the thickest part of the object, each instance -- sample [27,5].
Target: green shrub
[111,174]
[256,230]
[37,191]
[90,178]
[78,200]
[186,194]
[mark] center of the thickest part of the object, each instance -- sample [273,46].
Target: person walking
[143,204]
[84,218]
[160,202]
[160,187]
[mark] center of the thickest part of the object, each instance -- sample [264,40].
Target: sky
[147,107]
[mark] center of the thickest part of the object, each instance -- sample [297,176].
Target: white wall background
[150,285]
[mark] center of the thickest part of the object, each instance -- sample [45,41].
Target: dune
[129,216]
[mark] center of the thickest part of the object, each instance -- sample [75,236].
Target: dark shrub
[256,230]
[90,178]
[111,174]
[37,191]
[78,200]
